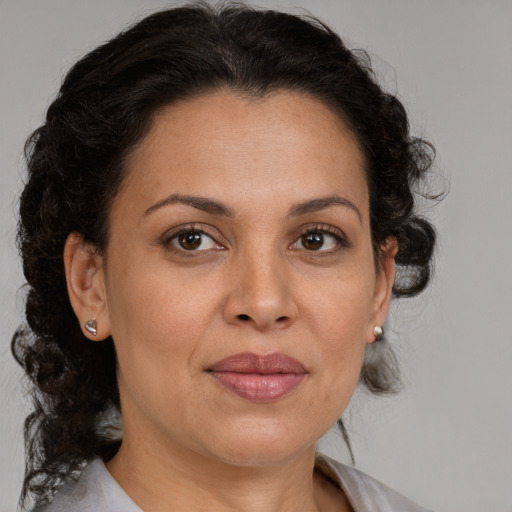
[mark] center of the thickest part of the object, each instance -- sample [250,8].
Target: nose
[260,294]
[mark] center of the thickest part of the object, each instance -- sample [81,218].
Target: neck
[191,482]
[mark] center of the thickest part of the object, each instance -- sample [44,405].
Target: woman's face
[239,283]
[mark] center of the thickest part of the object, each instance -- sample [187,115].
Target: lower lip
[258,387]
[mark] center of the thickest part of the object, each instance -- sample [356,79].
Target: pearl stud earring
[90,327]
[378,331]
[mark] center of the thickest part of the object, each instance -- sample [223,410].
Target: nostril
[244,317]
[282,319]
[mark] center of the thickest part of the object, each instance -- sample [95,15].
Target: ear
[383,285]
[85,280]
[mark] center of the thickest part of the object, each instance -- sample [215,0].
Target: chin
[262,456]
[262,445]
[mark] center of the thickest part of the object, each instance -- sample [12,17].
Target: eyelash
[322,229]
[326,229]
[168,238]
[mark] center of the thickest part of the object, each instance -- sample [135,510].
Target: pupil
[190,240]
[313,241]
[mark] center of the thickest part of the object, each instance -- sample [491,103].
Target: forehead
[239,148]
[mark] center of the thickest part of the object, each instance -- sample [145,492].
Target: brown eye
[190,240]
[193,240]
[312,241]
[319,240]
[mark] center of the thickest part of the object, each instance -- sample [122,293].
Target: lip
[259,378]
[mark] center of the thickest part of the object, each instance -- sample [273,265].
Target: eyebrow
[200,203]
[315,205]
[214,207]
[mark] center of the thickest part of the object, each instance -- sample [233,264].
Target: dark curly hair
[75,167]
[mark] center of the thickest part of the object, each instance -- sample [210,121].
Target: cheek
[156,316]
[340,316]
[341,302]
[157,324]
[151,295]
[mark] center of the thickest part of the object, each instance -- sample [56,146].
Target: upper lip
[254,363]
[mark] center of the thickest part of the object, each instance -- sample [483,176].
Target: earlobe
[383,286]
[86,287]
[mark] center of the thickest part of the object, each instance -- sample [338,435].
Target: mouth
[259,378]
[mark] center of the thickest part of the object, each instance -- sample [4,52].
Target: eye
[192,240]
[319,240]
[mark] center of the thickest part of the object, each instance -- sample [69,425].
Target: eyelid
[328,229]
[166,239]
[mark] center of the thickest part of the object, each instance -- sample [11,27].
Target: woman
[218,210]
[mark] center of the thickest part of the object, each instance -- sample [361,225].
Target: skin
[252,286]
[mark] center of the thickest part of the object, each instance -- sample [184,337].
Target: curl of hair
[75,167]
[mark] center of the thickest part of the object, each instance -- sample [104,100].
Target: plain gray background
[446,440]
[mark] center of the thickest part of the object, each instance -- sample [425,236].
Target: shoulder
[363,491]
[95,490]
[71,496]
